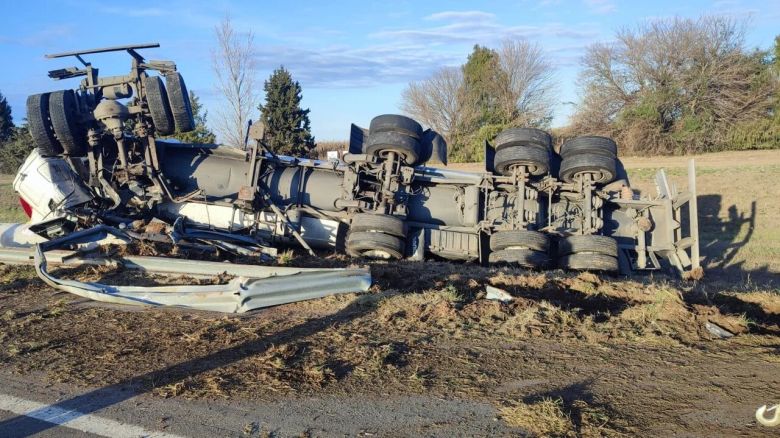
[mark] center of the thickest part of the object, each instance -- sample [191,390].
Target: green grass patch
[10,210]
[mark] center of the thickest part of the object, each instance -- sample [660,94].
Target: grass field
[570,355]
[10,210]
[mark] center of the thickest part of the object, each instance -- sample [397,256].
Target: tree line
[672,86]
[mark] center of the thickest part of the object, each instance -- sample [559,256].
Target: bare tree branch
[528,96]
[436,101]
[671,86]
[234,66]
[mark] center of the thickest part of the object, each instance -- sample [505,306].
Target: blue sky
[352,58]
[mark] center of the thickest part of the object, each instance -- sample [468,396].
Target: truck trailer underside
[100,160]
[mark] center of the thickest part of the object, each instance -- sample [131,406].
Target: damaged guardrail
[254,286]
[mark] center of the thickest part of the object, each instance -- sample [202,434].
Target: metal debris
[718,330]
[768,421]
[254,287]
[496,294]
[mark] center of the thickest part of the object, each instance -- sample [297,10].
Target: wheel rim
[377,254]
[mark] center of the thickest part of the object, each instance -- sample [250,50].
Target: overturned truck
[101,159]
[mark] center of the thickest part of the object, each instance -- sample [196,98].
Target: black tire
[160,109]
[523,136]
[381,223]
[590,144]
[39,124]
[64,114]
[179,100]
[601,167]
[589,262]
[395,123]
[523,257]
[533,240]
[407,147]
[374,245]
[536,159]
[589,243]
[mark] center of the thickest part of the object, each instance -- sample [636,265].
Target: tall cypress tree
[482,117]
[287,126]
[483,78]
[6,120]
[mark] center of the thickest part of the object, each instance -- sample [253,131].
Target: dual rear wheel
[58,121]
[589,155]
[526,147]
[531,249]
[169,104]
[54,123]
[376,236]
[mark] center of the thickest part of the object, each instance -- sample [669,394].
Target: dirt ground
[570,355]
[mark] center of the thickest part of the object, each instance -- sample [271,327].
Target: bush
[14,150]
[679,86]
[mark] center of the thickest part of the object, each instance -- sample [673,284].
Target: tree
[528,96]
[674,86]
[234,66]
[201,133]
[15,149]
[492,91]
[764,132]
[6,119]
[483,80]
[436,101]
[287,126]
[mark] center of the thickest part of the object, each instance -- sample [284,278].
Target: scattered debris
[496,294]
[768,421]
[718,330]
[253,286]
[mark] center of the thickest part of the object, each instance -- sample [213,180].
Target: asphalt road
[28,407]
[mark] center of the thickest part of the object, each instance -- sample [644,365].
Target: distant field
[10,210]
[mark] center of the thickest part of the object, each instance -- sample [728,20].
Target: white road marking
[76,420]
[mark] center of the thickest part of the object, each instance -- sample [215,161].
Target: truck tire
[523,257]
[523,136]
[536,159]
[590,144]
[533,240]
[601,167]
[374,245]
[159,107]
[589,262]
[407,147]
[381,223]
[63,111]
[590,244]
[179,100]
[395,123]
[39,124]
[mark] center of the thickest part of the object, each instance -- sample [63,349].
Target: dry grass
[542,418]
[10,210]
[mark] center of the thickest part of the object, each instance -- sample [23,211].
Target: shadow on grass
[722,240]
[53,415]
